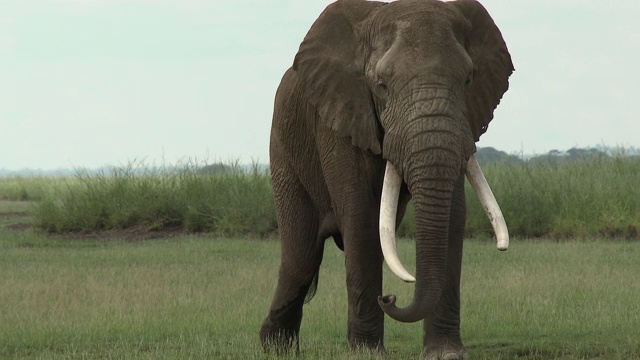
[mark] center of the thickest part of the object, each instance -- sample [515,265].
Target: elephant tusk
[488,201]
[388,211]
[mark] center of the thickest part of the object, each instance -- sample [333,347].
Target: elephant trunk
[430,173]
[389,206]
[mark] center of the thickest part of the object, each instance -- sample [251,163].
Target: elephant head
[415,82]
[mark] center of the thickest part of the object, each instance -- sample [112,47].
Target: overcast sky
[92,83]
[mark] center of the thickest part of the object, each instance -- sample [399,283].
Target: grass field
[204,297]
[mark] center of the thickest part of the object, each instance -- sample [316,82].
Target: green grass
[21,188]
[205,297]
[15,206]
[596,197]
[592,198]
[233,204]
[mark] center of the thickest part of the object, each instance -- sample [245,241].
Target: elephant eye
[381,88]
[469,78]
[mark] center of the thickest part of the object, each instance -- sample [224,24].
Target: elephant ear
[330,66]
[492,65]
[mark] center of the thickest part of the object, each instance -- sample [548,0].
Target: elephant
[383,104]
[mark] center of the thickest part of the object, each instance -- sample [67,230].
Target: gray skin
[410,82]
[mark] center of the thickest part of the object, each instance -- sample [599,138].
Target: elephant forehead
[427,30]
[417,12]
[413,53]
[421,28]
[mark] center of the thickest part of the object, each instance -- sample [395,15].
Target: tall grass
[592,197]
[236,203]
[21,188]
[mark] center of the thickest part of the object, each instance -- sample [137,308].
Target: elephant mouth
[389,206]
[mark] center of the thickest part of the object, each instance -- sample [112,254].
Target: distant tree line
[485,155]
[490,155]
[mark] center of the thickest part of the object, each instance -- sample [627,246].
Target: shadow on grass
[553,351]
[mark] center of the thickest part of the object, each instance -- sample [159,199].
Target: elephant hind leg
[301,255]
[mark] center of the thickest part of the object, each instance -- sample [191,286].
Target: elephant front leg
[353,180]
[364,285]
[442,329]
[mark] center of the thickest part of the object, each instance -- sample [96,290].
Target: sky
[92,83]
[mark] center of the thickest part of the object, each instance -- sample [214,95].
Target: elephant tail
[312,288]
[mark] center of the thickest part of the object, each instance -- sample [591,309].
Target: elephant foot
[445,352]
[278,340]
[371,346]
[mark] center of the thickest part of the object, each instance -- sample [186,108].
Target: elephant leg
[349,177]
[301,255]
[363,264]
[365,328]
[442,329]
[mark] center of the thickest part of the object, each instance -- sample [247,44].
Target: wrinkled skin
[410,82]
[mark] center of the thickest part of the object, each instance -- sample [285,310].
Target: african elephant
[383,103]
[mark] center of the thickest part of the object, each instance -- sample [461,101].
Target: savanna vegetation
[204,292]
[579,193]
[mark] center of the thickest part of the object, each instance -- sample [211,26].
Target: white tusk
[488,201]
[388,211]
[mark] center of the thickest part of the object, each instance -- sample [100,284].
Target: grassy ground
[203,297]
